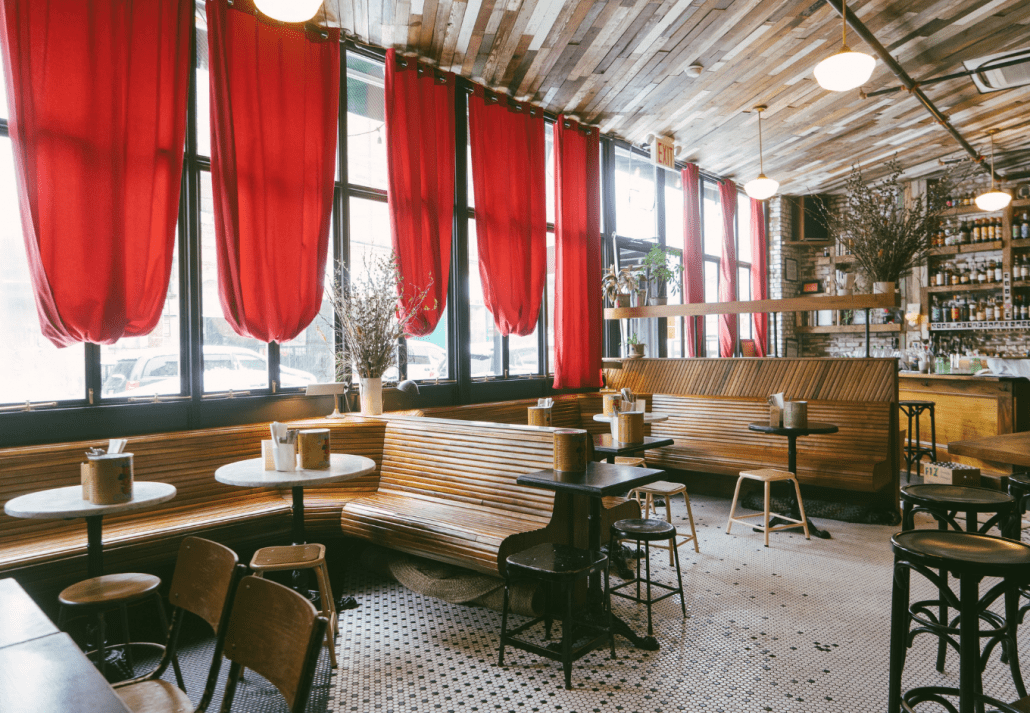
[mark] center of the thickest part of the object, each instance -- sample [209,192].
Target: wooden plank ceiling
[620,64]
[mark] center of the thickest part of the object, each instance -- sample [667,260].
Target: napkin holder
[313,448]
[268,454]
[107,479]
[539,416]
[775,417]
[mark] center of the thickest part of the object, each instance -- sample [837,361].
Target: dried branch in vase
[366,306]
[888,231]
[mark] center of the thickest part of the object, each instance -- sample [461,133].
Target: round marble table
[252,474]
[649,417]
[67,503]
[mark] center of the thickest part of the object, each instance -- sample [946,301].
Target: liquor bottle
[1015,227]
[1024,268]
[935,311]
[998,276]
[956,312]
[989,310]
[1024,227]
[998,228]
[981,311]
[975,232]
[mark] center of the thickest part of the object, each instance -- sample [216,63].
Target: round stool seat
[965,552]
[554,561]
[962,497]
[1021,480]
[644,530]
[109,589]
[279,557]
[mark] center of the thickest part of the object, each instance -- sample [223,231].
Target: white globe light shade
[993,200]
[761,188]
[844,70]
[289,10]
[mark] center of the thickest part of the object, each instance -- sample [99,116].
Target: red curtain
[728,267]
[420,163]
[759,275]
[97,91]
[274,107]
[693,260]
[577,273]
[508,177]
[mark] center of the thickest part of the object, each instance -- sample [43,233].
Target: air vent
[989,77]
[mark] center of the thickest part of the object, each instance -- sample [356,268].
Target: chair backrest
[203,579]
[278,634]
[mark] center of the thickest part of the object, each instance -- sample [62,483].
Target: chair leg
[608,606]
[933,434]
[328,611]
[766,516]
[899,637]
[733,505]
[566,638]
[164,627]
[504,623]
[801,508]
[647,567]
[102,643]
[126,639]
[679,580]
[636,543]
[690,519]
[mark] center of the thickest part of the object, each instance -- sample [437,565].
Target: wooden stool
[768,476]
[666,490]
[310,556]
[98,595]
[630,461]
[561,565]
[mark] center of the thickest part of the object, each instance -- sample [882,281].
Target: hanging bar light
[846,69]
[289,10]
[762,187]
[993,199]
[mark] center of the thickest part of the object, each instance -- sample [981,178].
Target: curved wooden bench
[447,491]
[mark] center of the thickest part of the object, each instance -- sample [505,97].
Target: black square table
[610,448]
[599,480]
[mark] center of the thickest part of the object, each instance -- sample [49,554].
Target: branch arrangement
[888,235]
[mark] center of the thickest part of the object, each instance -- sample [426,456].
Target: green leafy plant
[663,268]
[888,233]
[615,283]
[633,339]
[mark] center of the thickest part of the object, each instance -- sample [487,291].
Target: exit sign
[663,152]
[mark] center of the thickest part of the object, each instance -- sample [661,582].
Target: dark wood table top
[51,674]
[1010,448]
[20,618]
[812,428]
[609,446]
[598,480]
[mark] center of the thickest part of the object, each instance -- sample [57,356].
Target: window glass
[744,294]
[674,325]
[743,228]
[231,362]
[147,365]
[674,209]
[427,356]
[203,89]
[310,356]
[711,210]
[549,307]
[635,213]
[711,320]
[366,128]
[33,368]
[485,340]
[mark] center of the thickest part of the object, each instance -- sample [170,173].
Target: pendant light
[762,187]
[289,10]
[846,69]
[993,199]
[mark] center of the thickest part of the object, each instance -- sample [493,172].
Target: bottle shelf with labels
[985,287]
[971,326]
[967,248]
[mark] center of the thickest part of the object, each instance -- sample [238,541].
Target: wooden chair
[301,557]
[278,634]
[206,574]
[767,476]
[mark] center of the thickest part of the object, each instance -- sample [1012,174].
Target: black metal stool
[970,557]
[647,531]
[914,450]
[562,565]
[1019,488]
[98,595]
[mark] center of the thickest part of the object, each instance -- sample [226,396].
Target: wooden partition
[711,401]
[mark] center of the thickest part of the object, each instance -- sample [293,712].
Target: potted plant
[619,286]
[661,269]
[636,347]
[887,234]
[365,305]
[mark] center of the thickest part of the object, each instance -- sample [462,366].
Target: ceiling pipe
[911,85]
[955,75]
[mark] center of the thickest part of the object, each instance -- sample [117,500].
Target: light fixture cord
[992,162]
[761,158]
[844,25]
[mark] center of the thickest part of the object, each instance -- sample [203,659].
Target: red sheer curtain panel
[97,91]
[577,271]
[508,175]
[759,275]
[274,107]
[420,163]
[693,260]
[728,267]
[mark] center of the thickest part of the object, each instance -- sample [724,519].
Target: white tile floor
[800,626]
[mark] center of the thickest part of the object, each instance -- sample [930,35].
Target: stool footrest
[739,519]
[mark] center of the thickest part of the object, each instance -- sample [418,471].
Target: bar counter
[969,407]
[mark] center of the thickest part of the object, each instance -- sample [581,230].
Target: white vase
[371,396]
[883,288]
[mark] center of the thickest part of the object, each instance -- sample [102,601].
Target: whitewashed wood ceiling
[620,64]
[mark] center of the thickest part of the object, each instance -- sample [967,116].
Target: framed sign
[811,287]
[790,269]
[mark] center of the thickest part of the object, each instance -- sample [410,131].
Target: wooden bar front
[969,407]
